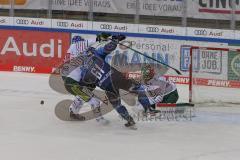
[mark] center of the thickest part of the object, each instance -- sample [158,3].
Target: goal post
[214,75]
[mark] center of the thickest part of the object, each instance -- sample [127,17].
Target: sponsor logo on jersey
[134,75]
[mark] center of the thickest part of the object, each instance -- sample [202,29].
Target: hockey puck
[42,102]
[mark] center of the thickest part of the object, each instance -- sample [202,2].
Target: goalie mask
[147,72]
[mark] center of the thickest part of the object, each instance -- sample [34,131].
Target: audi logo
[22,21]
[201,32]
[62,24]
[152,29]
[2,21]
[106,26]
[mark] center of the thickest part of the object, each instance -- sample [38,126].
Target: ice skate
[131,124]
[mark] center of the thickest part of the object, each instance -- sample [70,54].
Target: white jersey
[76,50]
[159,85]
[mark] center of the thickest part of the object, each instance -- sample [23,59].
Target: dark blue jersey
[96,70]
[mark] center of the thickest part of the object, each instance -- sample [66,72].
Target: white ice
[31,131]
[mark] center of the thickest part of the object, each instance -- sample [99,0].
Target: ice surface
[30,131]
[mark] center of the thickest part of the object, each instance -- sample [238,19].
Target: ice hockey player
[157,89]
[95,71]
[77,48]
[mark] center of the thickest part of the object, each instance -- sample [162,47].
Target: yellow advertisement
[16,2]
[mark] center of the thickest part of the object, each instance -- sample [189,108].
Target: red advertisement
[32,51]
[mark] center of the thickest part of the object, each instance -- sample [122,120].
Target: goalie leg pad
[171,97]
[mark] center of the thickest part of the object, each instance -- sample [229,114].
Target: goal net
[214,75]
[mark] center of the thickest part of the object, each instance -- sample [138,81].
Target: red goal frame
[235,83]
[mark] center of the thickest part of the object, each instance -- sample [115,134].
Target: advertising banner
[34,47]
[210,33]
[25,4]
[32,22]
[175,53]
[213,9]
[165,30]
[119,27]
[114,27]
[151,7]
[71,24]
[6,21]
[32,51]
[234,66]
[199,9]
[147,7]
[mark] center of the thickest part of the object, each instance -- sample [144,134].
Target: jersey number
[97,71]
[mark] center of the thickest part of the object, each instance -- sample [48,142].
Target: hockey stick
[181,106]
[176,70]
[164,105]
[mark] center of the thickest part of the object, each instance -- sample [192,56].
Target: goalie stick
[180,107]
[159,105]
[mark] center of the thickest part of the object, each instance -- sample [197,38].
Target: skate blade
[103,122]
[134,127]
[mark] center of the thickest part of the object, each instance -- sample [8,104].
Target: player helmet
[76,39]
[147,72]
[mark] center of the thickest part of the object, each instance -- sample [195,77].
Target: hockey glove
[119,37]
[152,96]
[158,99]
[155,100]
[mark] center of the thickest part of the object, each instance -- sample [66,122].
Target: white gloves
[158,99]
[152,96]
[76,105]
